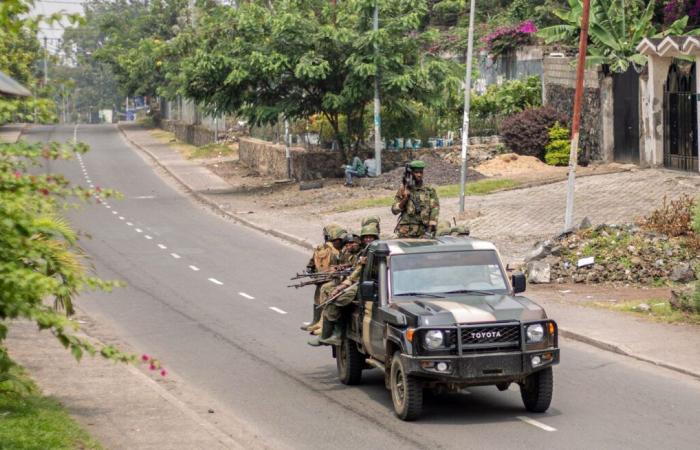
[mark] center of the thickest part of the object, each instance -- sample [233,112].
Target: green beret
[417,165]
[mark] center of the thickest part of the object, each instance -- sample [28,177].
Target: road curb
[600,344]
[620,350]
[204,199]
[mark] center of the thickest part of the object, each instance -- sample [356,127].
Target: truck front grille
[482,338]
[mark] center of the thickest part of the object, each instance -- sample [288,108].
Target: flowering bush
[505,39]
[527,132]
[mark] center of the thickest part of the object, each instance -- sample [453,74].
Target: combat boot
[315,322]
[326,332]
[335,338]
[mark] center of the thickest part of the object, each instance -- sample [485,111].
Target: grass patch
[32,421]
[191,151]
[660,311]
[212,151]
[481,187]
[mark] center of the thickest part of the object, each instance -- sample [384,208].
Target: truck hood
[470,309]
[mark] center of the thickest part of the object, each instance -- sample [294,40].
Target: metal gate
[680,118]
[626,115]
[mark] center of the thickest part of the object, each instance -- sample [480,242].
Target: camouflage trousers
[412,230]
[332,312]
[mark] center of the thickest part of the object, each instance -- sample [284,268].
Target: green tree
[616,28]
[297,59]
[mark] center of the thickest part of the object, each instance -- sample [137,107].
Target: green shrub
[447,12]
[556,152]
[696,217]
[527,132]
[509,98]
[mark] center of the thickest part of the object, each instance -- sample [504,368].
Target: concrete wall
[651,89]
[559,88]
[191,134]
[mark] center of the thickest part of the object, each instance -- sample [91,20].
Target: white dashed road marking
[121,217]
[162,247]
[130,224]
[195,268]
[138,230]
[215,281]
[148,237]
[175,255]
[277,310]
[243,294]
[114,212]
[536,423]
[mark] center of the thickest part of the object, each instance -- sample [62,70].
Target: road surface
[208,297]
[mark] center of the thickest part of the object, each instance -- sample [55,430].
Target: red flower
[163,372]
[152,367]
[145,357]
[44,191]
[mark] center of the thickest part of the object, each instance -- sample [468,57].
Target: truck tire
[350,362]
[537,390]
[406,391]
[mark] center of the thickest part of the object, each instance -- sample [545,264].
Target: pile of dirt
[511,164]
[438,172]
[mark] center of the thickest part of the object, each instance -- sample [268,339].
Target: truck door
[372,328]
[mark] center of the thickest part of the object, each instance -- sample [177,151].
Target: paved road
[208,297]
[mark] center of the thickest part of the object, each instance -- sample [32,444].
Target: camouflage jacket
[426,199]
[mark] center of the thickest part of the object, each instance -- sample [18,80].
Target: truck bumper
[480,368]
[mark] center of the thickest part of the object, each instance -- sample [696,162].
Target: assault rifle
[334,297]
[322,277]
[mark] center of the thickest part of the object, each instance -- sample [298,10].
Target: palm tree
[616,27]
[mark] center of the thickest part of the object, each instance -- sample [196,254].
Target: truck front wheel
[537,389]
[406,391]
[350,362]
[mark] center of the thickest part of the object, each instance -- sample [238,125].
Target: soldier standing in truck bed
[416,203]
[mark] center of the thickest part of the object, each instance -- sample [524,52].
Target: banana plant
[616,27]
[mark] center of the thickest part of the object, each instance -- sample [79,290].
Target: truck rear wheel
[406,391]
[537,390]
[350,362]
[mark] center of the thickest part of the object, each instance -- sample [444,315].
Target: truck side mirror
[518,282]
[368,290]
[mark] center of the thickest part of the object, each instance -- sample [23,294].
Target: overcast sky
[47,7]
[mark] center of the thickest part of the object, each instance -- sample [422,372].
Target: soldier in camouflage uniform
[325,257]
[417,204]
[331,331]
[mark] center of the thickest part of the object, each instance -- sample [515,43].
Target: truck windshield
[446,272]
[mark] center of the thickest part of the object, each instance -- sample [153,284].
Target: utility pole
[46,62]
[467,100]
[377,105]
[576,119]
[287,152]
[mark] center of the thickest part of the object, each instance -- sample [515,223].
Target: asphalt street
[208,297]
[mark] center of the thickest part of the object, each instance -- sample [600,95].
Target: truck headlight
[535,333]
[433,339]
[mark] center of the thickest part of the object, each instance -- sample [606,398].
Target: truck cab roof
[440,244]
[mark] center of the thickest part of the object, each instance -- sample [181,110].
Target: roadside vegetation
[659,310]
[29,420]
[192,151]
[480,187]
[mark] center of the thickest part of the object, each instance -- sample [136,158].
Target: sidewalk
[527,214]
[124,406]
[10,133]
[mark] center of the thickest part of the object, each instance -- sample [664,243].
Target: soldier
[331,332]
[351,247]
[416,203]
[325,257]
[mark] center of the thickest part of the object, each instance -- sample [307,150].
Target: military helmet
[444,228]
[350,237]
[371,229]
[337,232]
[460,230]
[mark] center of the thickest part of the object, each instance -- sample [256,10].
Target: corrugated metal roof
[9,86]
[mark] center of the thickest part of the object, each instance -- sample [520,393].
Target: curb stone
[600,344]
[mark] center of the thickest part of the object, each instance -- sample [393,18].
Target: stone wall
[190,134]
[270,159]
[559,82]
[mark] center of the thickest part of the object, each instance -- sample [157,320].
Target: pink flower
[152,367]
[163,372]
[145,357]
[18,174]
[527,27]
